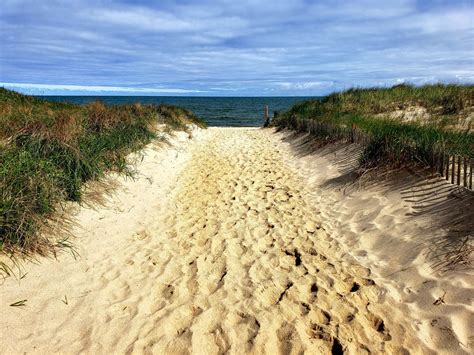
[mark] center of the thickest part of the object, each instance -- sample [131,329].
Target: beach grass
[392,138]
[440,100]
[49,150]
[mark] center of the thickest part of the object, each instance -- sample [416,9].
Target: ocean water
[216,111]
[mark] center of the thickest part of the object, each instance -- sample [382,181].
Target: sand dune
[221,246]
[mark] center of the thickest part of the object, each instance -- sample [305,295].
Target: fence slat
[465,172]
[453,166]
[447,167]
[459,171]
[470,173]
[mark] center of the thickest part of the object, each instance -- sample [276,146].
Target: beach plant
[378,112]
[49,150]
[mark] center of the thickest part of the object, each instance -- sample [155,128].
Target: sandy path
[251,270]
[225,253]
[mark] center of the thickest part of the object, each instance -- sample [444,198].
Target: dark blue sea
[216,111]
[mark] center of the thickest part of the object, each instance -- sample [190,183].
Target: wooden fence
[454,168]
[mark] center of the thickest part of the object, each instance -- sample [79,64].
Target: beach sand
[242,240]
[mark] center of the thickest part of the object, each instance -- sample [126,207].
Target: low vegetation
[48,150]
[398,133]
[445,105]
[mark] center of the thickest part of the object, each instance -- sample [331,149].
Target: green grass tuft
[48,150]
[393,140]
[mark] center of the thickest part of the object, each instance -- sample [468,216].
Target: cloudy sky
[232,47]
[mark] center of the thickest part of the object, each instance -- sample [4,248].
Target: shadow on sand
[448,241]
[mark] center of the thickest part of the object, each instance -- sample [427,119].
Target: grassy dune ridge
[48,150]
[404,122]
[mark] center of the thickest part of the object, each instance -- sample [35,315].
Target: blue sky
[231,47]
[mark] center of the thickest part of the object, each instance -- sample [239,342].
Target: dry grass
[49,150]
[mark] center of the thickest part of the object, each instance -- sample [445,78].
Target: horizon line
[203,96]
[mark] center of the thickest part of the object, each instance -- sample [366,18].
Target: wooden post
[447,167]
[453,167]
[465,172]
[459,171]
[266,117]
[470,173]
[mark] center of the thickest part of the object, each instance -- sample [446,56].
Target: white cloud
[362,9]
[142,19]
[145,19]
[306,85]
[95,88]
[436,21]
